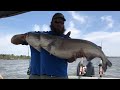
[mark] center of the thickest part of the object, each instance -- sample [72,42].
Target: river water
[17,69]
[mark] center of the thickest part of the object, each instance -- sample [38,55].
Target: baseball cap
[58,15]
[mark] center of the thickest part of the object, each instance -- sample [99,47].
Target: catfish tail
[104,65]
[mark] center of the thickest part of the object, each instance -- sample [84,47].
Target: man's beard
[58,32]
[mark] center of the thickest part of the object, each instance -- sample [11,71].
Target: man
[43,64]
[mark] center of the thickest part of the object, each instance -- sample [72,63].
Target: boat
[84,77]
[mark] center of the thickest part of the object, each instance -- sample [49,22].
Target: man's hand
[18,39]
[76,55]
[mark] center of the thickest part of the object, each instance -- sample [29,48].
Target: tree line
[13,57]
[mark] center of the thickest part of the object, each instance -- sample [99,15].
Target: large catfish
[65,48]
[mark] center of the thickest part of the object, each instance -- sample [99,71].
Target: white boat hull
[83,77]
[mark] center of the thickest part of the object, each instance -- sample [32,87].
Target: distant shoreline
[113,56]
[13,57]
[24,57]
[29,58]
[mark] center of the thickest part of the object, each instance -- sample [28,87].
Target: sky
[100,27]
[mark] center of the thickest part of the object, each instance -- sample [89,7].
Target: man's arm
[19,39]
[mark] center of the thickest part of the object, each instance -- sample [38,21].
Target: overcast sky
[100,27]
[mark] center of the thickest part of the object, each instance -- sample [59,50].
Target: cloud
[112,36]
[37,27]
[82,23]
[45,28]
[108,20]
[75,33]
[110,41]
[8,48]
[78,17]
